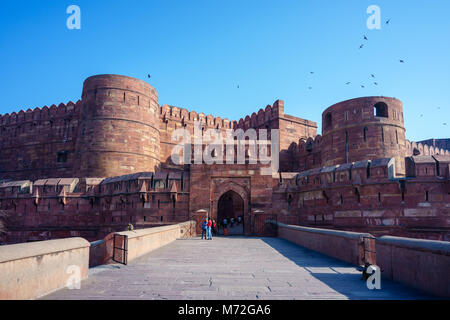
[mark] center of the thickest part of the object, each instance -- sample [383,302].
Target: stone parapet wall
[422,264]
[139,242]
[32,270]
[143,241]
[343,245]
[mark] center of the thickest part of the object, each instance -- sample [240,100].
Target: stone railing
[138,242]
[355,248]
[32,270]
[100,252]
[143,241]
[423,264]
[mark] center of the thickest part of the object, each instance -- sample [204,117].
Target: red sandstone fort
[92,167]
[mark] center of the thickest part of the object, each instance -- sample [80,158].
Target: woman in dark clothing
[214,227]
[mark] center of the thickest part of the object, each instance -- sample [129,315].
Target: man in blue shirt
[204,224]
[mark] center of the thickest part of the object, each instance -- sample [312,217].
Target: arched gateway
[231,207]
[231,200]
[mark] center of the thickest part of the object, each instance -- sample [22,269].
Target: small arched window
[381,110]
[328,120]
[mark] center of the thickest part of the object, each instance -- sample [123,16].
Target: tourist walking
[209,226]
[204,228]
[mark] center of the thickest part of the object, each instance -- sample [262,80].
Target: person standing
[214,226]
[225,226]
[209,226]
[204,228]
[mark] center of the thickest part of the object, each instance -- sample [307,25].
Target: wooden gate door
[263,227]
[120,249]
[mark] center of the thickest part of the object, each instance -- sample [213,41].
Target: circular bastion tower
[119,127]
[362,129]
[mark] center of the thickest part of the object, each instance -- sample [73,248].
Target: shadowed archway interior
[231,205]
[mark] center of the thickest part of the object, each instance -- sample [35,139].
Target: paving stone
[240,268]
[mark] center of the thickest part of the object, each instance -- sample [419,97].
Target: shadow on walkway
[342,276]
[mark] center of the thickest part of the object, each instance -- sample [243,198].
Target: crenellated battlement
[430,168]
[262,117]
[41,114]
[173,113]
[356,173]
[306,146]
[418,148]
[261,120]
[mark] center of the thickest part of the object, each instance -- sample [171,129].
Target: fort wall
[40,142]
[291,129]
[366,196]
[172,118]
[89,168]
[363,128]
[437,143]
[92,208]
[117,111]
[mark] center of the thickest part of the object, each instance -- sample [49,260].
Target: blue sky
[199,51]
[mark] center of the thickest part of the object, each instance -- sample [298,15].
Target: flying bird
[348,83]
[238,86]
[365,38]
[309,88]
[402,61]
[373,76]
[387,22]
[149,76]
[444,123]
[312,72]
[361,46]
[362,86]
[375,83]
[421,115]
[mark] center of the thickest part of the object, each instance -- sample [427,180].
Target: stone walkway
[232,268]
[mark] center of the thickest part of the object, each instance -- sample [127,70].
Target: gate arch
[232,188]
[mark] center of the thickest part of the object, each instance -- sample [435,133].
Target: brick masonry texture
[92,167]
